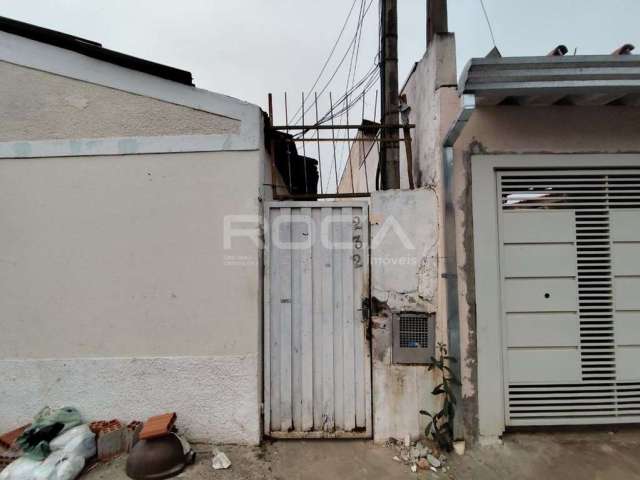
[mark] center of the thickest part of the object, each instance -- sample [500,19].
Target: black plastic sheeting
[94,50]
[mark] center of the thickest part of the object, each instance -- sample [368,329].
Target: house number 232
[357,242]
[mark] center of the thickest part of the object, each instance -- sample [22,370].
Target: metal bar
[333,135]
[286,119]
[346,101]
[318,136]
[274,188]
[364,160]
[313,196]
[339,127]
[304,152]
[409,152]
[359,139]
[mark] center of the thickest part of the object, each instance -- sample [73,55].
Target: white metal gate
[570,276]
[317,361]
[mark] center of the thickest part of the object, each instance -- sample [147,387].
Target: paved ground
[585,455]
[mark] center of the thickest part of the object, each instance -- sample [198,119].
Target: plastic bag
[79,440]
[59,465]
[46,425]
[21,469]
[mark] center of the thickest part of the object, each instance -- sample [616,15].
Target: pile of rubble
[59,445]
[422,455]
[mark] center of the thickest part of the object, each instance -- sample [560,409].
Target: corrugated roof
[94,50]
[579,80]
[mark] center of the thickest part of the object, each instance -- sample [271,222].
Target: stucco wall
[114,269]
[36,105]
[404,234]
[400,391]
[512,129]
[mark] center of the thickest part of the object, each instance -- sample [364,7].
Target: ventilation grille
[571,191]
[595,294]
[414,331]
[591,196]
[573,401]
[413,337]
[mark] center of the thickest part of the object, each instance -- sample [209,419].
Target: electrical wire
[367,81]
[337,69]
[333,49]
[486,16]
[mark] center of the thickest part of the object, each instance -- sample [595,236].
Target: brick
[8,439]
[110,438]
[158,426]
[132,434]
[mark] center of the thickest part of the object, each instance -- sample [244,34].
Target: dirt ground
[587,455]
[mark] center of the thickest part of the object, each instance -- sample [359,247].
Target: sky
[248,48]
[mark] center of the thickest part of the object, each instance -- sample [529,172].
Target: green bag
[47,424]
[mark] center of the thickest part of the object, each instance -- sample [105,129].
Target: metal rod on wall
[333,135]
[304,152]
[318,136]
[286,119]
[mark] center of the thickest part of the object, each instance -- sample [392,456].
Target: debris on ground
[158,426]
[7,440]
[110,438]
[160,452]
[58,445]
[132,434]
[220,460]
[459,447]
[47,425]
[422,455]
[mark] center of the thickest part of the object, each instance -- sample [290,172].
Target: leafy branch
[440,428]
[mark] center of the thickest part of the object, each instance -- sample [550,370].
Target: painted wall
[118,291]
[36,105]
[513,129]
[359,173]
[120,262]
[404,231]
[409,280]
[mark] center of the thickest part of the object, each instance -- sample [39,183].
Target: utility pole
[437,21]
[390,149]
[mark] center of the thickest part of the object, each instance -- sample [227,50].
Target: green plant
[440,428]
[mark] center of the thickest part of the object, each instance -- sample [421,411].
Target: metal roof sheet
[584,79]
[94,50]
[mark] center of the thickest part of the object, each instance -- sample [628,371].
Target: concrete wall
[431,92]
[404,234]
[36,105]
[119,262]
[359,174]
[118,292]
[513,129]
[406,279]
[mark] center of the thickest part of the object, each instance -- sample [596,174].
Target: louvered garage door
[570,268]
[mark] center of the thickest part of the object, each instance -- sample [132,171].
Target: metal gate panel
[570,275]
[317,363]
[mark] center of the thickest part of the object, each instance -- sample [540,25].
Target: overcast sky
[247,48]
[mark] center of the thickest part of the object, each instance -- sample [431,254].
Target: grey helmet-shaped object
[158,458]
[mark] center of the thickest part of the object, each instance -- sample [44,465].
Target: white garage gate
[570,271]
[566,304]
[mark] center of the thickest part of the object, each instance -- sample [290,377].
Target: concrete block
[110,438]
[132,434]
